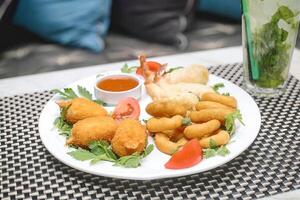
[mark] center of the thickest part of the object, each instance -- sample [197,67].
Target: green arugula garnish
[67,93]
[63,127]
[171,70]
[82,154]
[101,150]
[230,121]
[98,101]
[186,121]
[214,150]
[221,151]
[98,151]
[212,144]
[84,92]
[217,86]
[102,147]
[61,124]
[127,69]
[134,160]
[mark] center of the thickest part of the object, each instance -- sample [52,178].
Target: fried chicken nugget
[210,114]
[129,138]
[163,124]
[200,130]
[166,109]
[210,104]
[93,128]
[81,108]
[220,138]
[225,100]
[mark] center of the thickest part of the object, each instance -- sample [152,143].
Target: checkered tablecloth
[271,165]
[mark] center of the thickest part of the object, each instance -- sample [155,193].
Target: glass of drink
[269,29]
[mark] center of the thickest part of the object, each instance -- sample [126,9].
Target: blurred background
[47,35]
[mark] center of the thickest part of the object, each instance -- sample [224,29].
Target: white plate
[153,165]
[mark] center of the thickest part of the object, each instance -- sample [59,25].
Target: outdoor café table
[29,171]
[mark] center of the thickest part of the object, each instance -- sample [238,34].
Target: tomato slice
[151,65]
[190,155]
[127,108]
[154,66]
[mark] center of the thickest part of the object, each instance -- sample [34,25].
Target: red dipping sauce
[117,83]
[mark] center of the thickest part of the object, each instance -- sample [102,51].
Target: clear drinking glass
[269,29]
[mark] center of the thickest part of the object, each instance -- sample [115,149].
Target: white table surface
[58,79]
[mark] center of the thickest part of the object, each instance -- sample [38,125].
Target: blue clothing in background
[75,23]
[227,8]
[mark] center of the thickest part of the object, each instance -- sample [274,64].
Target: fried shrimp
[129,138]
[220,138]
[81,108]
[225,100]
[184,85]
[210,114]
[90,129]
[195,73]
[165,145]
[166,108]
[210,104]
[200,130]
[163,124]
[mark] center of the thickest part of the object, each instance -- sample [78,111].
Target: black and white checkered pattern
[270,166]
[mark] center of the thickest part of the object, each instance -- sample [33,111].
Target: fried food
[186,93]
[165,145]
[178,137]
[192,74]
[90,129]
[164,124]
[182,141]
[225,100]
[166,108]
[183,85]
[220,138]
[210,114]
[200,130]
[81,108]
[210,104]
[130,137]
[174,134]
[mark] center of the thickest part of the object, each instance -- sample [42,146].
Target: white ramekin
[112,98]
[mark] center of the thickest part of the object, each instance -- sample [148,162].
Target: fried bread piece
[129,138]
[93,128]
[81,108]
